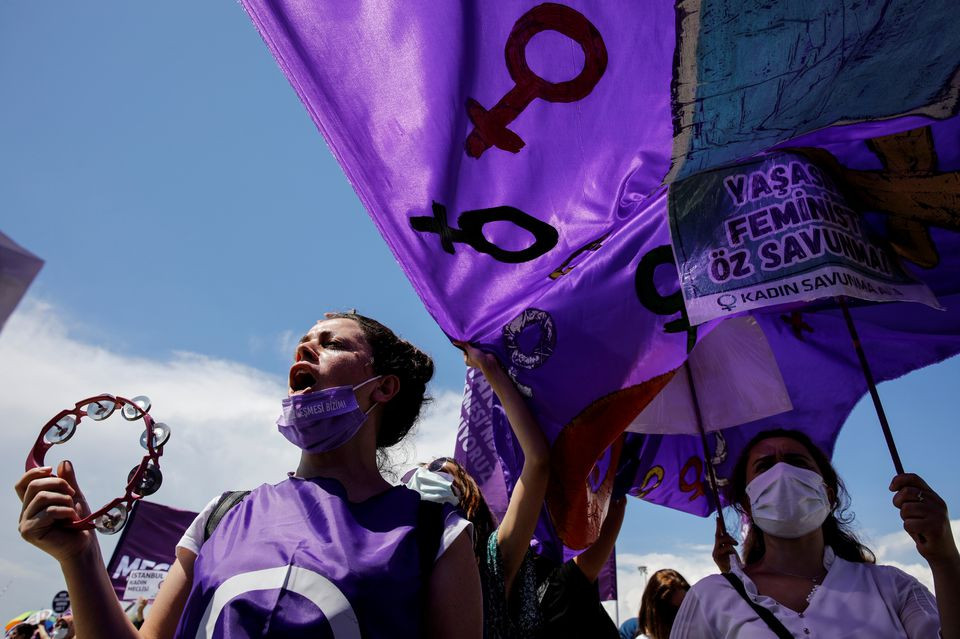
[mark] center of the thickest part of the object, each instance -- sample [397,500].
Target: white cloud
[898,549]
[221,413]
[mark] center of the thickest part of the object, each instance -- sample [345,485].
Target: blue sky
[155,156]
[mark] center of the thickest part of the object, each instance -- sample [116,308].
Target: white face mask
[788,502]
[433,486]
[59,632]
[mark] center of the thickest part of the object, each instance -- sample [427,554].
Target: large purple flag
[518,158]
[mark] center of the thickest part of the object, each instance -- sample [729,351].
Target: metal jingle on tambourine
[112,521]
[161,435]
[100,409]
[130,412]
[63,430]
[149,482]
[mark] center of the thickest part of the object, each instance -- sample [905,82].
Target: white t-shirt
[453,525]
[855,601]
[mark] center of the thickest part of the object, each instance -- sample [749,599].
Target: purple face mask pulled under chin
[323,420]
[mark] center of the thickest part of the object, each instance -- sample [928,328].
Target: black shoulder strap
[429,533]
[768,618]
[227,501]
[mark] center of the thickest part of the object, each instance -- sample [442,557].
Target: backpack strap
[768,617]
[227,501]
[430,517]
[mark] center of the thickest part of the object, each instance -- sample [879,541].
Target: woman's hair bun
[395,356]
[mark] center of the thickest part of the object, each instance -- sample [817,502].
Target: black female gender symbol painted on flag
[490,127]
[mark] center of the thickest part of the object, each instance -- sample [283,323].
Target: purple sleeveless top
[299,560]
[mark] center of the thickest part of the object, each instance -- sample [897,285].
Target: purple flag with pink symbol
[522,161]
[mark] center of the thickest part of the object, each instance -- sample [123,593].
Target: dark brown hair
[395,356]
[656,611]
[837,531]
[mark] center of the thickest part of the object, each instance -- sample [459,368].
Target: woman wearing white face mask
[805,574]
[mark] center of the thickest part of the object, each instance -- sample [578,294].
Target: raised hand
[723,547]
[925,518]
[476,358]
[49,501]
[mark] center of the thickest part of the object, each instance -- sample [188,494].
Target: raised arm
[520,520]
[925,519]
[591,561]
[48,502]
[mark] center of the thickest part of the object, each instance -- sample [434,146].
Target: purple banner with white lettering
[517,159]
[148,541]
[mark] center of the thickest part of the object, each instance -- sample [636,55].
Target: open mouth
[302,377]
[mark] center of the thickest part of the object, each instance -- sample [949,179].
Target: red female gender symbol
[490,127]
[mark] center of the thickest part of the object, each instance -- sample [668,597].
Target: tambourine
[144,479]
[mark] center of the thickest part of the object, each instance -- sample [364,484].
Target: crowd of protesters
[335,545]
[51,627]
[60,626]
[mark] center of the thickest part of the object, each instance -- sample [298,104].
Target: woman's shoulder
[710,584]
[886,573]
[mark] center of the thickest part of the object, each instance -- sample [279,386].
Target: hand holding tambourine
[50,501]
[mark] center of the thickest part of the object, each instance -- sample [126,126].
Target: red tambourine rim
[41,446]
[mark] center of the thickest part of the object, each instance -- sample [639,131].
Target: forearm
[525,426]
[96,610]
[592,560]
[946,585]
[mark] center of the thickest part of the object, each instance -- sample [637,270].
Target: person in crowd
[136,614]
[502,550]
[525,594]
[659,604]
[63,627]
[629,628]
[332,548]
[570,596]
[805,573]
[28,631]
[23,631]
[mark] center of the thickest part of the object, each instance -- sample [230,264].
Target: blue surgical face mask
[323,420]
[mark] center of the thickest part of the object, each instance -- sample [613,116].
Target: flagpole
[711,471]
[871,384]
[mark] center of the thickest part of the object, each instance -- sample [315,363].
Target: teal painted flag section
[751,74]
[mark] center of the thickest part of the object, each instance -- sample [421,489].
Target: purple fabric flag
[518,159]
[18,267]
[148,541]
